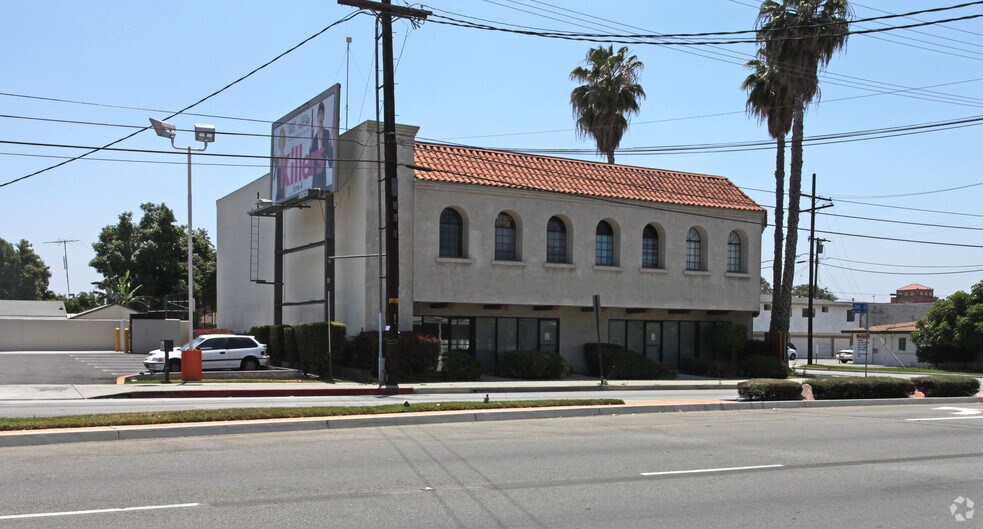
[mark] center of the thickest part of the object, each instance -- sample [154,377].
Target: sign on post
[859,308]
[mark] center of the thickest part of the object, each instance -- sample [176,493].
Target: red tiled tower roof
[915,286]
[470,165]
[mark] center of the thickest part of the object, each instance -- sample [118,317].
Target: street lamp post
[206,135]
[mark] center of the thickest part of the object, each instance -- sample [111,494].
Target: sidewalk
[297,389]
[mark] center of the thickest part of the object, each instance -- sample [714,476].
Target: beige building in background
[503,251]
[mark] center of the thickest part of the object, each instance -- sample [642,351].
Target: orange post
[191,365]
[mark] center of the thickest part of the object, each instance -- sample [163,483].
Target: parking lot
[67,367]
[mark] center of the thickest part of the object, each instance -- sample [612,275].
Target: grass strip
[245,414]
[884,369]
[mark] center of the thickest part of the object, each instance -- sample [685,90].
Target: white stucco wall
[533,281]
[58,335]
[241,302]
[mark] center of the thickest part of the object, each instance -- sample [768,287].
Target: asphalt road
[54,408]
[57,367]
[845,467]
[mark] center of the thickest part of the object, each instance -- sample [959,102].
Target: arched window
[650,247]
[505,238]
[556,241]
[451,233]
[734,252]
[694,250]
[604,245]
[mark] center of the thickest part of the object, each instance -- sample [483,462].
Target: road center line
[957,418]
[98,511]
[704,470]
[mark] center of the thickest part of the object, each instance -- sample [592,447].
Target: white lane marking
[961,411]
[98,511]
[959,418]
[703,470]
[958,414]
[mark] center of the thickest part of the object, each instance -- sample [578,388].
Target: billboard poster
[304,147]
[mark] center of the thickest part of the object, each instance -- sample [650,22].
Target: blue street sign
[859,307]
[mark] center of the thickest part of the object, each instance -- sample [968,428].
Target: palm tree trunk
[610,157]
[794,193]
[776,264]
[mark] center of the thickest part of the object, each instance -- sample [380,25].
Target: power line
[189,107]
[647,39]
[902,265]
[881,272]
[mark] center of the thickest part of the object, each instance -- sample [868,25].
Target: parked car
[791,351]
[844,355]
[218,351]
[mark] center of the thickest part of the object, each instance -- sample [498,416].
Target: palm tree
[769,101]
[610,93]
[800,37]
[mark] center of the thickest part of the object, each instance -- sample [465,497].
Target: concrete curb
[118,433]
[424,390]
[282,392]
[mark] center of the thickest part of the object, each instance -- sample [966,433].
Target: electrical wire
[200,101]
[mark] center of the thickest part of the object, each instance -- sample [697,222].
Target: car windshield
[196,343]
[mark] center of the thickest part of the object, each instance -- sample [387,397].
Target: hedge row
[532,365]
[769,389]
[625,364]
[861,388]
[947,386]
[304,345]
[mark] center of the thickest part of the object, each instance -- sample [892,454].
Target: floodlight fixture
[204,133]
[164,129]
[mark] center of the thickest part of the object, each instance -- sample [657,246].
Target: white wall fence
[86,335]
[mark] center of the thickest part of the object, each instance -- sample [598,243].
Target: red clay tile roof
[915,286]
[469,165]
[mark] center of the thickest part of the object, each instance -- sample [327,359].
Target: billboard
[304,147]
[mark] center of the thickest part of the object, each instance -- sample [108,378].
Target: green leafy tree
[952,331]
[610,93]
[150,257]
[802,291]
[766,287]
[798,37]
[23,274]
[769,100]
[83,301]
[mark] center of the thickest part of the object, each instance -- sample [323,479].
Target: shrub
[726,339]
[769,389]
[629,365]
[313,344]
[590,355]
[861,388]
[276,346]
[694,366]
[362,352]
[290,348]
[757,366]
[418,354]
[947,386]
[261,333]
[532,365]
[460,366]
[216,330]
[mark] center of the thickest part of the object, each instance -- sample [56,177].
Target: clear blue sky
[489,89]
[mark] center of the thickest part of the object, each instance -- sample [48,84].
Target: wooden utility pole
[386,11]
[812,244]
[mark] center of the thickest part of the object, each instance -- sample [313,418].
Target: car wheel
[249,364]
[791,356]
[843,361]
[175,366]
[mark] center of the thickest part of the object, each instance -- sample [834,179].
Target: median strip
[244,414]
[703,470]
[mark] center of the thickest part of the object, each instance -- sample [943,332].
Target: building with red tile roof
[914,293]
[503,251]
